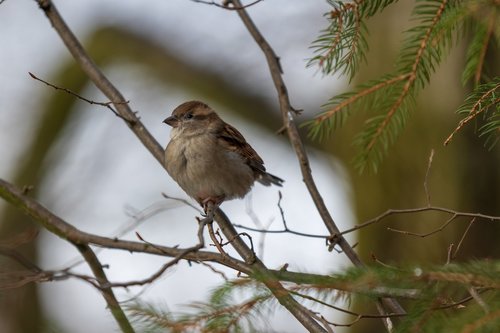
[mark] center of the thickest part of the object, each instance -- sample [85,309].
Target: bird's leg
[209,206]
[209,209]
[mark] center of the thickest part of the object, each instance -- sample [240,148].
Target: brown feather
[231,139]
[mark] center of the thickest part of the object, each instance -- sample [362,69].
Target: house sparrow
[210,159]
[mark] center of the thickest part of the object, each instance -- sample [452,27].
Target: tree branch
[293,134]
[106,291]
[66,231]
[98,78]
[287,113]
[40,214]
[253,266]
[267,277]
[105,104]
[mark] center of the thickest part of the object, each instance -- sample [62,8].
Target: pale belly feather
[204,170]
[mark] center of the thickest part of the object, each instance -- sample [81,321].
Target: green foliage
[222,313]
[438,25]
[475,54]
[467,292]
[483,101]
[342,45]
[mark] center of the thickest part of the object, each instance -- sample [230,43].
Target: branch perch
[287,112]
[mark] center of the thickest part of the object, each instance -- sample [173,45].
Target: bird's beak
[172,121]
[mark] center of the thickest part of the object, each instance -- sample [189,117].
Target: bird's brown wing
[231,139]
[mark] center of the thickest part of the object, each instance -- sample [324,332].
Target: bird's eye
[188,116]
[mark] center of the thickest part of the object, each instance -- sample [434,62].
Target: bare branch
[19,258]
[106,292]
[89,67]
[286,230]
[105,104]
[227,4]
[423,235]
[216,271]
[463,237]
[156,275]
[429,164]
[66,231]
[98,78]
[473,292]
[216,242]
[288,114]
[293,134]
[265,276]
[390,212]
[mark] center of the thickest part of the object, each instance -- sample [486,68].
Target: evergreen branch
[413,75]
[360,94]
[391,113]
[218,315]
[492,128]
[476,103]
[421,53]
[465,278]
[476,325]
[342,45]
[431,289]
[482,54]
[369,95]
[476,53]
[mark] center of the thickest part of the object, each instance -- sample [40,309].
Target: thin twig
[61,228]
[19,258]
[107,292]
[137,219]
[390,212]
[229,5]
[255,219]
[293,134]
[426,179]
[476,109]
[371,316]
[288,114]
[463,237]
[154,276]
[105,104]
[266,276]
[181,200]
[216,271]
[380,262]
[472,291]
[423,235]
[218,244]
[290,231]
[448,254]
[101,81]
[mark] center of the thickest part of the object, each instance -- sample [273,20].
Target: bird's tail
[267,179]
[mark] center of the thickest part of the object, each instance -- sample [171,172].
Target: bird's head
[192,118]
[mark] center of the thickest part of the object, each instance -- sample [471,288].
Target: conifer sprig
[485,101]
[439,24]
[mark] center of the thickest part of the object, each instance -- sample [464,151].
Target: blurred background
[88,168]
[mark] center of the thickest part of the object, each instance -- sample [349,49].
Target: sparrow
[210,159]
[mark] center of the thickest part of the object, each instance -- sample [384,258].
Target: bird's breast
[202,168]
